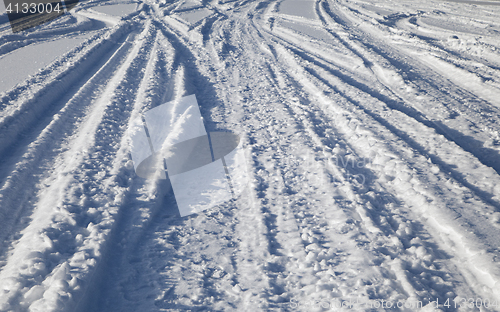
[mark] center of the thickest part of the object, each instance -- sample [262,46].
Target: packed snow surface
[371,132]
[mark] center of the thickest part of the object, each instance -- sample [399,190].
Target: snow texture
[369,130]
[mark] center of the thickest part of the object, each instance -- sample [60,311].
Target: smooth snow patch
[189,4]
[494,2]
[378,10]
[193,17]
[116,9]
[30,59]
[453,26]
[302,8]
[311,31]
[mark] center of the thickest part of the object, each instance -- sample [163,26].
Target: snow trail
[372,139]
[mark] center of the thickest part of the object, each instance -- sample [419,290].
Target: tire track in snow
[418,82]
[40,140]
[142,203]
[299,87]
[309,86]
[74,218]
[381,233]
[27,104]
[443,37]
[147,228]
[415,138]
[278,241]
[205,282]
[266,208]
[251,247]
[378,213]
[486,191]
[280,215]
[272,226]
[388,224]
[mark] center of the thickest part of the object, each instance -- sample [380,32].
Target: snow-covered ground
[372,137]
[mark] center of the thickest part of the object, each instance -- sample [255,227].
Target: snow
[195,16]
[368,131]
[117,9]
[28,60]
[301,8]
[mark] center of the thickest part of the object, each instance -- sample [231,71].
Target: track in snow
[372,137]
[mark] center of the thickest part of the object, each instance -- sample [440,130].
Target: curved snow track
[372,135]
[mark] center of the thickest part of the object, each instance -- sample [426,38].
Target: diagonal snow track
[302,78]
[372,138]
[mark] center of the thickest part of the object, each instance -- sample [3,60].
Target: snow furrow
[447,157]
[281,213]
[416,196]
[28,157]
[63,224]
[372,143]
[375,227]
